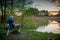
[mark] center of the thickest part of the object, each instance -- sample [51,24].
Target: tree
[31,12]
[3,9]
[12,5]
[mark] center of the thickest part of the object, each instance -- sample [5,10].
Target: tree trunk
[2,12]
[11,7]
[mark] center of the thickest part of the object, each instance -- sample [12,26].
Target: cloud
[45,5]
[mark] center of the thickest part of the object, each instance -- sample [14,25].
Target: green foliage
[1,29]
[33,25]
[21,4]
[12,5]
[31,11]
[2,33]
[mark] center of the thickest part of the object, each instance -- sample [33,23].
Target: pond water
[53,26]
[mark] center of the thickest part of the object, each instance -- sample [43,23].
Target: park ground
[27,33]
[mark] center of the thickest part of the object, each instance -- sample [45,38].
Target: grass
[40,36]
[32,23]
[33,35]
[2,32]
[1,29]
[28,25]
[29,22]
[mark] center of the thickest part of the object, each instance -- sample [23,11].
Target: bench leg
[19,30]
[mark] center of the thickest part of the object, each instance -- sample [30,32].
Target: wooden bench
[8,30]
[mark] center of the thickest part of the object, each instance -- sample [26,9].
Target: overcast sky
[45,5]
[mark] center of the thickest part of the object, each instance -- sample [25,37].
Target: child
[11,22]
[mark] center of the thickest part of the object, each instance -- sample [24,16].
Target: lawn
[28,25]
[32,35]
[31,22]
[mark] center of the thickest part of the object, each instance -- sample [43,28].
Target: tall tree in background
[3,10]
[31,12]
[20,5]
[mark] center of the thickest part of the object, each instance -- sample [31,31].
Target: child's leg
[7,32]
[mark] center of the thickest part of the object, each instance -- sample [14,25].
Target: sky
[45,5]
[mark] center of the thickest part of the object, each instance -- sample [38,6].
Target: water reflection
[53,26]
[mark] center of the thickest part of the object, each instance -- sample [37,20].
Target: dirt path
[21,35]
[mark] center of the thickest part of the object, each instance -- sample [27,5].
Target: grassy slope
[33,22]
[31,35]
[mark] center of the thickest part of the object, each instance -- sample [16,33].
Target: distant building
[43,12]
[53,13]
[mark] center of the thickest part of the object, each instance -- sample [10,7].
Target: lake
[52,27]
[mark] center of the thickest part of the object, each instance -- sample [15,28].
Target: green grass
[29,22]
[2,32]
[1,29]
[40,36]
[32,25]
[32,35]
[28,25]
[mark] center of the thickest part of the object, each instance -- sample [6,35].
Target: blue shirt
[11,21]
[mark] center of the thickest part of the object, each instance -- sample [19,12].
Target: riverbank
[27,33]
[37,21]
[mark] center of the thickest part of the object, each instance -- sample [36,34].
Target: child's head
[11,17]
